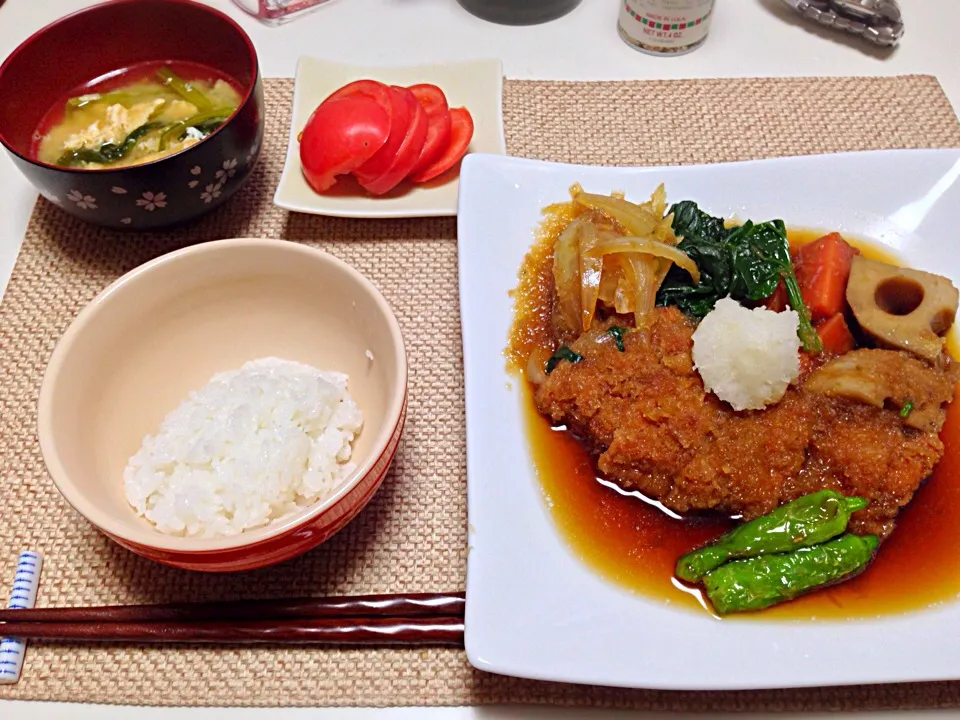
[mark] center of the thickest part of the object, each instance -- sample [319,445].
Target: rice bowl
[164,330]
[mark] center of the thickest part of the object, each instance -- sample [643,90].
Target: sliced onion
[635,219]
[624,300]
[594,262]
[566,275]
[662,272]
[591,267]
[664,232]
[658,201]
[610,278]
[646,269]
[536,370]
[610,245]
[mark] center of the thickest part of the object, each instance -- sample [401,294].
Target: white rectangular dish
[475,84]
[534,609]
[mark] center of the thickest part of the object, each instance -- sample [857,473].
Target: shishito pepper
[759,582]
[806,521]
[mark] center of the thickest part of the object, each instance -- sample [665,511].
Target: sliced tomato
[461,132]
[406,155]
[428,95]
[339,136]
[434,104]
[400,116]
[371,88]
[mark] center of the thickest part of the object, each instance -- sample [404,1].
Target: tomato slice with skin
[398,111]
[339,136]
[434,104]
[372,88]
[428,94]
[461,132]
[407,154]
[400,116]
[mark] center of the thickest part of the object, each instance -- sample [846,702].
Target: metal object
[878,21]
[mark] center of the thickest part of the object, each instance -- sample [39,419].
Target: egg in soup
[136,122]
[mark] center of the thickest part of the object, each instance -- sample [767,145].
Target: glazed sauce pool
[635,543]
[140,72]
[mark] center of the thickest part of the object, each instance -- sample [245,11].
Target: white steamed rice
[747,357]
[251,446]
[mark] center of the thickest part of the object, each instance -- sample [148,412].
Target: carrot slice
[835,335]
[777,300]
[822,269]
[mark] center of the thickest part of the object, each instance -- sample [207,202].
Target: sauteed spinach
[745,262]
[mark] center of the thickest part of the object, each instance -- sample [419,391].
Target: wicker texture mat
[412,537]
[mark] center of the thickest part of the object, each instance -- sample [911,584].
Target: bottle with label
[519,12]
[665,27]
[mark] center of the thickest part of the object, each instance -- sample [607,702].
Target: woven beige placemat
[412,537]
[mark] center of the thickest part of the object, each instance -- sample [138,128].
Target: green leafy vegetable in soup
[137,123]
[744,262]
[108,152]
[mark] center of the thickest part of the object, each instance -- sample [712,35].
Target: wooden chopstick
[407,605]
[336,631]
[407,619]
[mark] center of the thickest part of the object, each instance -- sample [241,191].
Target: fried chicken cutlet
[646,418]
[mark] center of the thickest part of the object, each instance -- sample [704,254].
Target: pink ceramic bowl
[165,328]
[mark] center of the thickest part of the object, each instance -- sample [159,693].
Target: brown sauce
[634,543]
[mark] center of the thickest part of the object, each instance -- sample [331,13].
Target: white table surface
[748,38]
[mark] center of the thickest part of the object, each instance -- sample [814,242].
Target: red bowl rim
[246,557]
[255,67]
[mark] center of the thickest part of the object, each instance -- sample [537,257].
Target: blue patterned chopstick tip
[26,582]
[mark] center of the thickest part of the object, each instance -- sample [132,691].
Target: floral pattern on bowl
[195,181]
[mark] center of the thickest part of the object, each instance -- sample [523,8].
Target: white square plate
[476,85]
[533,609]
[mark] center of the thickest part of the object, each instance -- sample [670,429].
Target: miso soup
[136,116]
